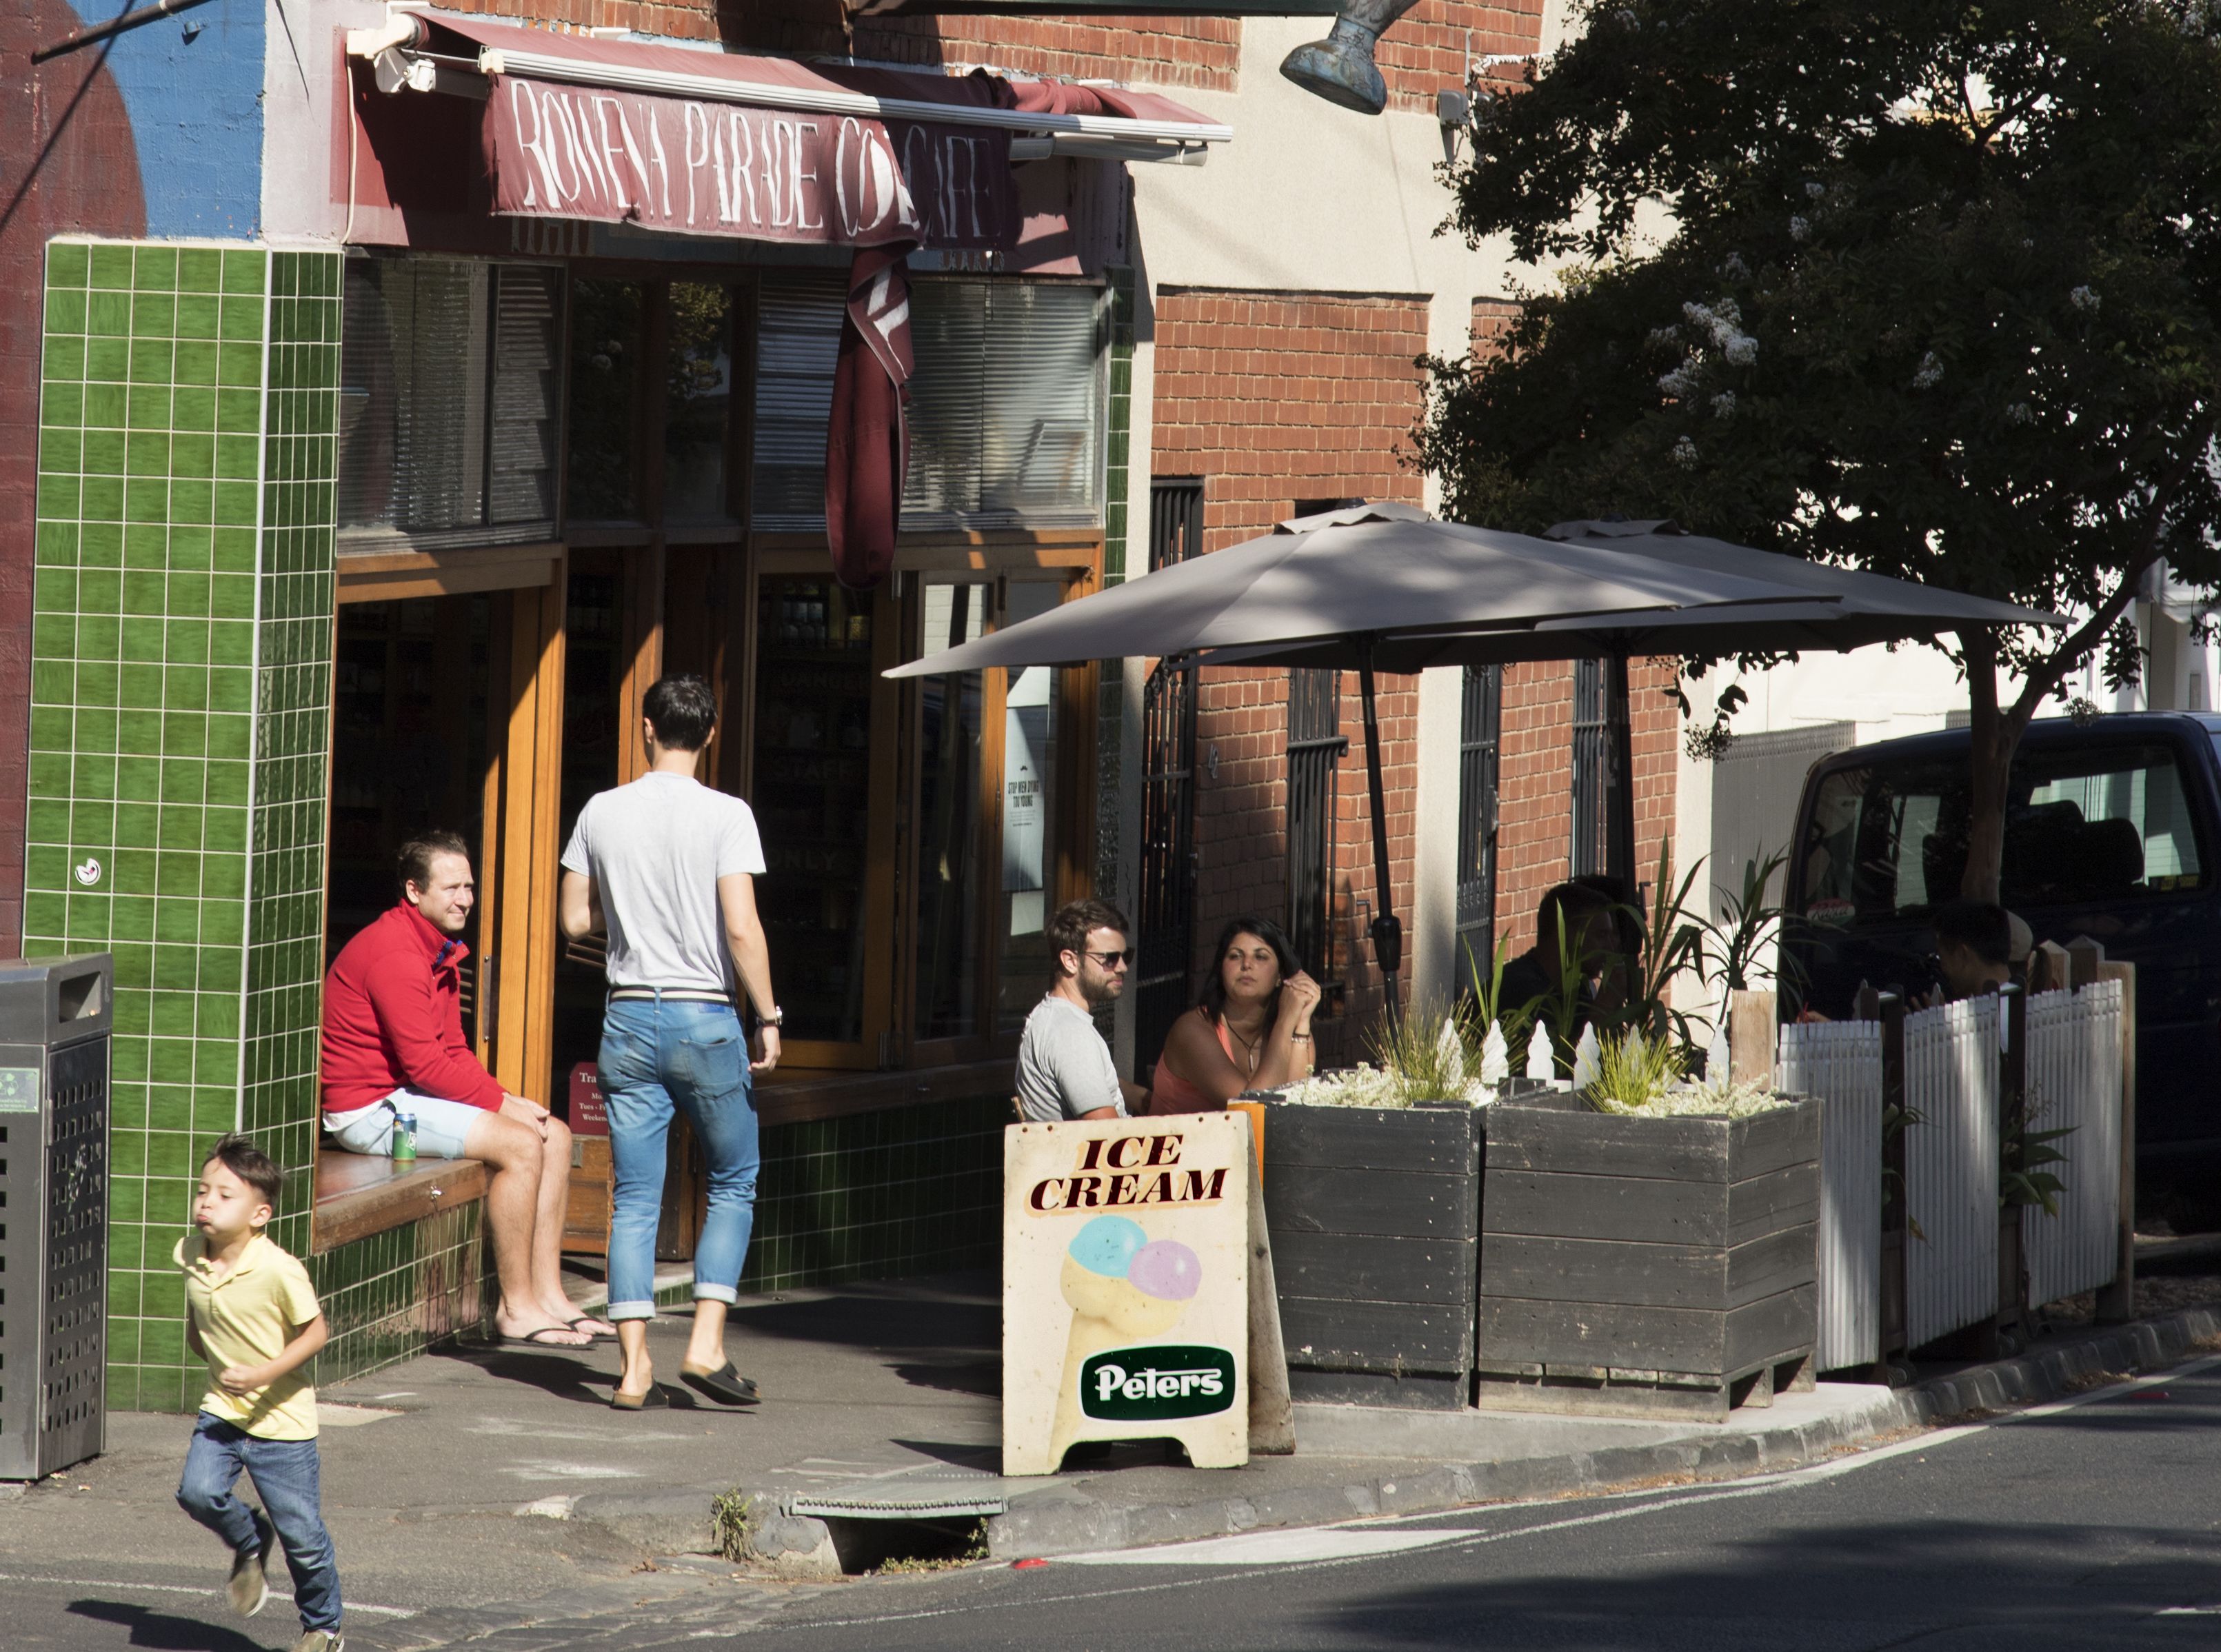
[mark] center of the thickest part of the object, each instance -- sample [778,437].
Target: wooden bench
[358,1195]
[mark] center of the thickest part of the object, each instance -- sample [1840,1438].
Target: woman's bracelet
[1299,1038]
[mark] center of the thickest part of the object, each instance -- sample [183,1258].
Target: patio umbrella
[1823,607]
[1369,570]
[1344,583]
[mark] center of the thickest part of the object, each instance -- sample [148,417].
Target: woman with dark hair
[1252,1030]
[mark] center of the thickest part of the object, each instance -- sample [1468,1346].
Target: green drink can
[405,1137]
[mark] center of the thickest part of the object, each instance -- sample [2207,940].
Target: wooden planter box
[1646,1266]
[1374,1217]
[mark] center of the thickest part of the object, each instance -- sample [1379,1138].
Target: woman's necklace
[1250,1054]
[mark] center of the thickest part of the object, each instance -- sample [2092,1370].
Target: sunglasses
[1111,960]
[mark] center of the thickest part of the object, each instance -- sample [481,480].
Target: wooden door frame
[522,958]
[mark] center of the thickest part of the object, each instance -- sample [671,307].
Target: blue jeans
[656,1056]
[285,1472]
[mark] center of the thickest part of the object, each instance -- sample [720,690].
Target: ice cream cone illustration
[1123,1289]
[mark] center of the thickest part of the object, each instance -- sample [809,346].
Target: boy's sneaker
[249,1588]
[321,1640]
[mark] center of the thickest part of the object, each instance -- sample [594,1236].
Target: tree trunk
[1995,736]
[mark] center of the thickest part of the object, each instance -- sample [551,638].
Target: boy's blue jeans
[285,1472]
[657,1057]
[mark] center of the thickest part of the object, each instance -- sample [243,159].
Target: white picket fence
[1950,1168]
[2074,1080]
[1840,1062]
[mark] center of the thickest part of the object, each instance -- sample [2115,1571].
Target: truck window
[1883,841]
[2096,824]
[2082,824]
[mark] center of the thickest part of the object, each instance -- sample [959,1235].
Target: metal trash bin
[55,1016]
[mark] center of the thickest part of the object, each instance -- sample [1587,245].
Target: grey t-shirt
[1064,1066]
[655,850]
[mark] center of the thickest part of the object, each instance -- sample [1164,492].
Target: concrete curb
[1062,1519]
[1076,1522]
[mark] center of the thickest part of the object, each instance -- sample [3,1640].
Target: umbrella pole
[1387,931]
[1619,821]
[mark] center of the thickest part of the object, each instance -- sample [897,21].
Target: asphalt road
[2095,1524]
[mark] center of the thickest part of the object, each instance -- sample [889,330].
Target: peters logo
[1156,1384]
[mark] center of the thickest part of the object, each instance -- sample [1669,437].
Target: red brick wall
[1201,52]
[1272,398]
[69,167]
[1198,52]
[1535,823]
[1425,53]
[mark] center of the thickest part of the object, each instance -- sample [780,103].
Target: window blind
[527,376]
[798,341]
[447,396]
[1005,412]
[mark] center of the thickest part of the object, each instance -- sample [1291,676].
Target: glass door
[822,786]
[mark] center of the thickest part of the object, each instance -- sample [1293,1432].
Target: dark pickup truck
[2112,830]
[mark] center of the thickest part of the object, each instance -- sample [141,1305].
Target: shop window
[813,793]
[1005,412]
[447,400]
[1031,817]
[951,754]
[914,833]
[697,416]
[606,347]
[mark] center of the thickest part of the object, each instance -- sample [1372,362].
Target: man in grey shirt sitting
[1064,1069]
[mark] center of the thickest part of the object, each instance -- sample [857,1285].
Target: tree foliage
[1932,289]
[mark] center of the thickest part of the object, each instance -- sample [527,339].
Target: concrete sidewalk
[479,1475]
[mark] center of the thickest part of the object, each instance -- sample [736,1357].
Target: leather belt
[669,995]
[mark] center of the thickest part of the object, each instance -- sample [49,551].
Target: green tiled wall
[385,1297]
[877,1195]
[1118,444]
[181,643]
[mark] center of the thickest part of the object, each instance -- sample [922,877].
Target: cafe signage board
[1134,1275]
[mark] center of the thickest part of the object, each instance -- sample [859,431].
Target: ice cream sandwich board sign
[1137,1291]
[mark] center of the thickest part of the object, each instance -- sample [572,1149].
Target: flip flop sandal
[724,1384]
[538,1339]
[580,1325]
[655,1400]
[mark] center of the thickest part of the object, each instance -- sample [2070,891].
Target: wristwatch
[775,1017]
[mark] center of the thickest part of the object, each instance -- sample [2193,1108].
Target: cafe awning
[715,143]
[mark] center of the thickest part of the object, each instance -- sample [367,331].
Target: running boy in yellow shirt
[255,1320]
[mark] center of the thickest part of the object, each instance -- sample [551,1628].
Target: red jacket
[393,1017]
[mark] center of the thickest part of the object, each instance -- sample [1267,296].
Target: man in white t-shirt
[1064,1069]
[669,866]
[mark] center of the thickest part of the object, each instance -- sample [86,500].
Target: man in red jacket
[393,1043]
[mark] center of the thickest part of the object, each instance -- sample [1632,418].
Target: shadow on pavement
[1817,1586]
[564,1376]
[949,1313]
[163,1632]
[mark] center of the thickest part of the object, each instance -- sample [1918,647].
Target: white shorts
[442,1126]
